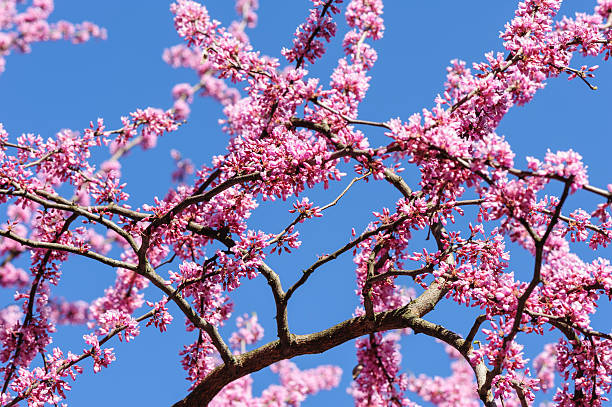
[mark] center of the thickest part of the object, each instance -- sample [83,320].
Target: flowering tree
[289,132]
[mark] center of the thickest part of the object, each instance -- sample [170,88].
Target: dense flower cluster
[23,23]
[295,386]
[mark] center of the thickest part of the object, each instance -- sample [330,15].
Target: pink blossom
[249,332]
[29,25]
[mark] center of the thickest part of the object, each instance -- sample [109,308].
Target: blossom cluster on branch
[289,132]
[23,23]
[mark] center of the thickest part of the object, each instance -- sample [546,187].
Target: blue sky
[61,85]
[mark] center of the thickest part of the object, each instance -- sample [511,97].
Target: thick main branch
[314,343]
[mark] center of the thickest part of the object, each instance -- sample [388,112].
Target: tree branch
[65,248]
[314,343]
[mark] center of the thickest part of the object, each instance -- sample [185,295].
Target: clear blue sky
[61,85]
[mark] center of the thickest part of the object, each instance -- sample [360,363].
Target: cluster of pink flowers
[161,317]
[152,122]
[295,386]
[456,390]
[377,379]
[307,43]
[45,386]
[23,25]
[249,332]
